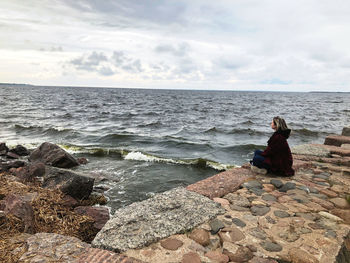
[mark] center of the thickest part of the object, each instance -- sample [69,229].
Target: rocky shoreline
[234,216]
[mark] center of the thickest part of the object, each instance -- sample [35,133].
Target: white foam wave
[139,156]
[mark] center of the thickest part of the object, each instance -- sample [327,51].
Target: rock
[268,197]
[328,193]
[191,257]
[12,155]
[95,255]
[53,155]
[82,160]
[237,200]
[3,149]
[303,199]
[289,236]
[217,256]
[238,222]
[258,233]
[311,149]
[345,146]
[340,203]
[171,243]
[20,207]
[336,140]
[232,234]
[71,183]
[330,216]
[259,210]
[270,246]
[270,220]
[276,183]
[257,191]
[49,247]
[20,150]
[281,214]
[99,214]
[69,201]
[323,203]
[343,214]
[31,171]
[300,256]
[216,225]
[221,201]
[287,186]
[142,223]
[262,260]
[330,234]
[239,208]
[201,236]
[268,187]
[241,254]
[253,184]
[346,131]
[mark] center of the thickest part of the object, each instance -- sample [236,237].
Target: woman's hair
[280,123]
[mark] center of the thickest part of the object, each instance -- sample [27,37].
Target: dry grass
[51,215]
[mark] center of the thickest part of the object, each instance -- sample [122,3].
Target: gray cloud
[178,51]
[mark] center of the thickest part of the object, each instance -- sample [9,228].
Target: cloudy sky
[194,44]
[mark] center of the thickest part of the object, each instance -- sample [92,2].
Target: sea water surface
[148,141]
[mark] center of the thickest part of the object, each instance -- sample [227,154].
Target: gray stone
[289,236]
[323,183]
[216,225]
[237,200]
[238,222]
[281,213]
[270,246]
[313,190]
[276,183]
[257,191]
[239,208]
[324,176]
[259,210]
[253,184]
[346,131]
[258,233]
[146,222]
[330,234]
[301,199]
[287,186]
[311,149]
[270,220]
[268,197]
[320,196]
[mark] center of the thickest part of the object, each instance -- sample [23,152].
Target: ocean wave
[247,131]
[42,130]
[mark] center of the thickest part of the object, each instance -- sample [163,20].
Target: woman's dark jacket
[278,155]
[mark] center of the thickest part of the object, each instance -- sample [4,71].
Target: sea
[140,142]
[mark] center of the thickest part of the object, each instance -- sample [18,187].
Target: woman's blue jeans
[258,160]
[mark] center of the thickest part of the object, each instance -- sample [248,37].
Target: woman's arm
[276,144]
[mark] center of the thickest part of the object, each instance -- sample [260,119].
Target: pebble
[237,200]
[238,222]
[216,225]
[258,233]
[340,203]
[270,220]
[232,235]
[281,214]
[268,187]
[276,183]
[257,191]
[269,197]
[323,183]
[330,216]
[287,186]
[191,257]
[221,201]
[201,236]
[328,193]
[217,256]
[301,199]
[330,233]
[316,226]
[270,246]
[259,210]
[290,236]
[253,184]
[171,243]
[239,208]
[304,188]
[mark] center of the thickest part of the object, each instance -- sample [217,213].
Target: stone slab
[311,149]
[95,255]
[336,150]
[222,183]
[336,140]
[146,222]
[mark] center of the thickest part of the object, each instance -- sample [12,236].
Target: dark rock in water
[6,166]
[99,214]
[287,186]
[20,150]
[20,207]
[3,149]
[276,183]
[53,155]
[216,225]
[71,183]
[82,160]
[12,155]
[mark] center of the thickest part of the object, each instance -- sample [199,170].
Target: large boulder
[28,172]
[71,183]
[53,155]
[346,131]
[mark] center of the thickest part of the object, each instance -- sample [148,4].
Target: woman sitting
[277,158]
